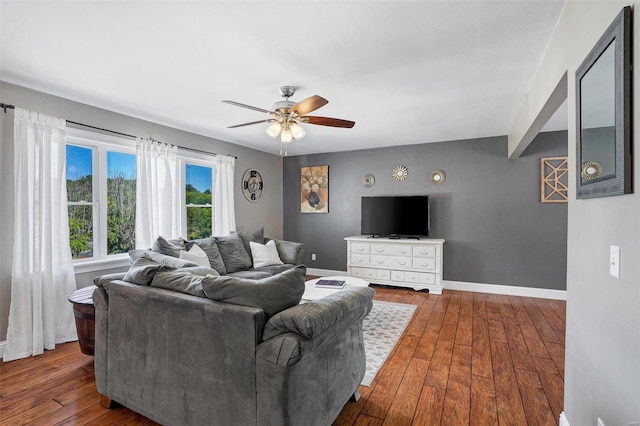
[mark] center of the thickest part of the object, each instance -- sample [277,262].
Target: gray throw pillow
[143,270]
[210,247]
[256,236]
[168,247]
[235,256]
[187,280]
[272,294]
[162,259]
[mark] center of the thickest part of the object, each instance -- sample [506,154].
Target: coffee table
[311,292]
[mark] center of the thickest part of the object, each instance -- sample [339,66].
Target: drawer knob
[403,263]
[403,251]
[380,261]
[379,250]
[360,249]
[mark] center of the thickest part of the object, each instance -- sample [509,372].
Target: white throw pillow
[195,255]
[264,254]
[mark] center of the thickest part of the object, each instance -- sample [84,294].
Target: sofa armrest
[290,333]
[289,251]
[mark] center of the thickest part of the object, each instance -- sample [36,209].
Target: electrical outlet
[614,261]
[313,256]
[600,422]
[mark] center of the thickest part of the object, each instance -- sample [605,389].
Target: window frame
[102,143]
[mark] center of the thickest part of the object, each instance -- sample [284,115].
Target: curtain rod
[6,106]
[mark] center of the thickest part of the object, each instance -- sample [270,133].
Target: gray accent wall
[265,213]
[488,210]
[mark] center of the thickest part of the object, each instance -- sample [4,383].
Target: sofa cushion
[234,255]
[289,251]
[273,269]
[142,270]
[105,280]
[251,274]
[314,318]
[168,247]
[196,255]
[272,294]
[264,254]
[186,280]
[162,259]
[256,236]
[210,247]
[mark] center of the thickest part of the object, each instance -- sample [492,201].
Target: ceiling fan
[286,116]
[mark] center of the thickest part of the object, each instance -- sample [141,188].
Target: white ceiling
[406,72]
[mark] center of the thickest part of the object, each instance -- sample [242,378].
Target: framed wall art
[314,189]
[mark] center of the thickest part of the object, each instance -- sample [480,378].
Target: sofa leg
[107,402]
[356,396]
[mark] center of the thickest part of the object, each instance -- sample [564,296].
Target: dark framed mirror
[603,114]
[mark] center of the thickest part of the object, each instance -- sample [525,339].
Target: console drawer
[424,251]
[427,278]
[424,263]
[359,259]
[390,261]
[391,249]
[363,273]
[383,274]
[362,248]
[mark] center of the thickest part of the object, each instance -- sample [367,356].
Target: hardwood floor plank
[556,351]
[536,405]
[429,410]
[364,420]
[421,318]
[457,402]
[481,361]
[552,383]
[385,390]
[546,332]
[551,314]
[438,373]
[508,399]
[428,340]
[352,409]
[532,338]
[406,399]
[484,410]
[453,310]
[464,332]
[518,347]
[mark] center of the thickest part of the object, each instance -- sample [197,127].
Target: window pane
[79,173]
[198,222]
[121,202]
[81,231]
[198,184]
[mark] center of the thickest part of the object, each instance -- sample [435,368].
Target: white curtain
[224,209]
[158,204]
[42,276]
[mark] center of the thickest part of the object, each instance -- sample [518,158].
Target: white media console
[399,262]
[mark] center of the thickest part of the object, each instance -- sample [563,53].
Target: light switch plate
[614,261]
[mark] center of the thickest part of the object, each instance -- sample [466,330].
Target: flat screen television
[401,216]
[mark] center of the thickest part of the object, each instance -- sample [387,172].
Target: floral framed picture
[314,189]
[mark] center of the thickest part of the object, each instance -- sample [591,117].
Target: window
[101,194]
[198,200]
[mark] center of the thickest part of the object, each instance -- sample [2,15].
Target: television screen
[395,216]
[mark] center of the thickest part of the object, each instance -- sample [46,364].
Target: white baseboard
[3,347]
[324,272]
[563,420]
[542,293]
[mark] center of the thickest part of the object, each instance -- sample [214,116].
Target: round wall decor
[400,173]
[368,180]
[437,177]
[591,170]
[252,185]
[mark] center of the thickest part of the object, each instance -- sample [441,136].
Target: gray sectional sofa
[185,345]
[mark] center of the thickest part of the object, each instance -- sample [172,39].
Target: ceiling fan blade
[312,103]
[248,107]
[271,120]
[326,121]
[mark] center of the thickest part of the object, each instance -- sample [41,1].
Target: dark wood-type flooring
[465,358]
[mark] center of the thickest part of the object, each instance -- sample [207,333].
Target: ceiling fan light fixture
[273,130]
[297,131]
[286,136]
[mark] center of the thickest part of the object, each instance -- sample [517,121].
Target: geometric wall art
[554,180]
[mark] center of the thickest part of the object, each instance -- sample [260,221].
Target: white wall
[267,212]
[602,374]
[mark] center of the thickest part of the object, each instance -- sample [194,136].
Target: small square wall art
[314,189]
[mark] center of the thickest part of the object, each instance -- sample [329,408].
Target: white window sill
[101,265]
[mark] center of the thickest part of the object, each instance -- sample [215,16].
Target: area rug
[382,329]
